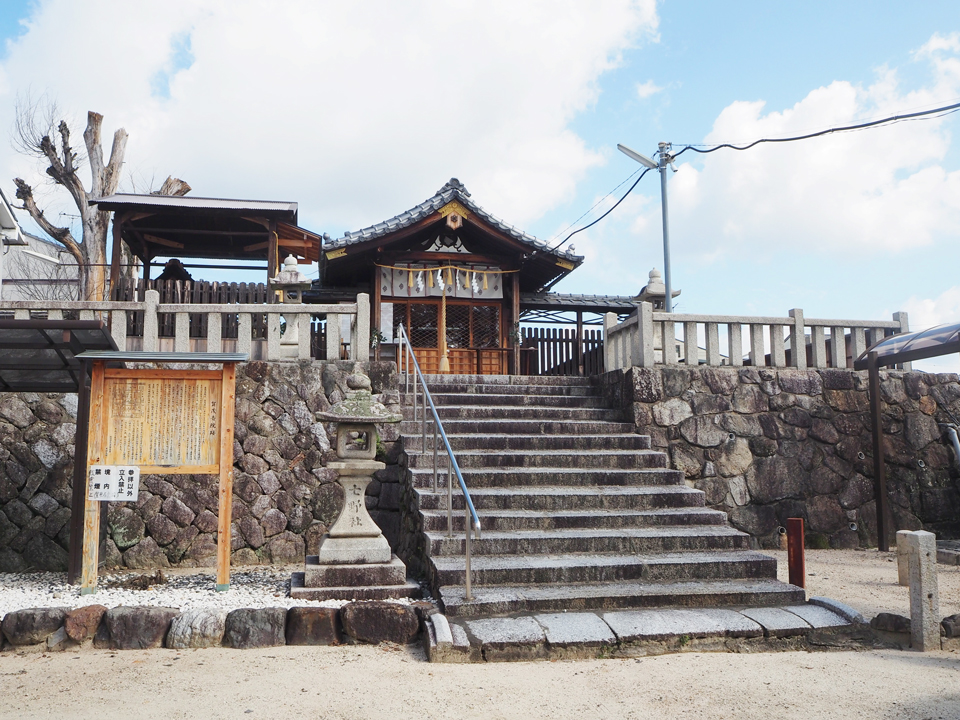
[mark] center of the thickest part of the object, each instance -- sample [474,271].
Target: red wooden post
[795,559]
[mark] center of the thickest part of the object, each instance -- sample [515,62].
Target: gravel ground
[250,587]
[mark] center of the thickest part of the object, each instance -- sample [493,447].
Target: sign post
[160,421]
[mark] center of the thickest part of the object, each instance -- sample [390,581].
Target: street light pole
[665,158]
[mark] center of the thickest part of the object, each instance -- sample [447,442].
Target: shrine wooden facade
[452,275]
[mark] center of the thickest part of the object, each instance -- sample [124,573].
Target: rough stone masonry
[767,444]
[284,494]
[763,444]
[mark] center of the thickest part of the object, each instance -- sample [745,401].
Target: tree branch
[91,137]
[61,235]
[111,175]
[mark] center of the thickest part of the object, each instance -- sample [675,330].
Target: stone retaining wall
[284,495]
[766,444]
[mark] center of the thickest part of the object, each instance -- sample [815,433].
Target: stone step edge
[632,633]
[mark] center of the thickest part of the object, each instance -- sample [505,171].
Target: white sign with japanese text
[113,482]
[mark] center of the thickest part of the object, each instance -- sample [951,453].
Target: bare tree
[49,139]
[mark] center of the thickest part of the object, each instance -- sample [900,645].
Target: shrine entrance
[473,335]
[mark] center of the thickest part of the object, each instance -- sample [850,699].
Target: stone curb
[144,627]
[820,624]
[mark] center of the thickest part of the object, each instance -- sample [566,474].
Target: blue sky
[360,112]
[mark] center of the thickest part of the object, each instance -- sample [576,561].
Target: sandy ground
[392,682]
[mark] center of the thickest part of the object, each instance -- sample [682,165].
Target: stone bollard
[903,557]
[924,596]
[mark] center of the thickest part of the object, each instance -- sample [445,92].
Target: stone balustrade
[291,342]
[719,339]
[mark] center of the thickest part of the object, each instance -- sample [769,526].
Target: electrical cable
[625,181]
[606,213]
[923,114]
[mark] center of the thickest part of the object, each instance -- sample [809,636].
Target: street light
[665,159]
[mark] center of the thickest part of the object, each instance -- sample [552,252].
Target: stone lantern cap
[358,407]
[290,278]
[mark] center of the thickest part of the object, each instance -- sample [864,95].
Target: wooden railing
[288,330]
[719,339]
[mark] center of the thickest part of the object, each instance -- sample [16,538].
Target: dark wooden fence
[558,351]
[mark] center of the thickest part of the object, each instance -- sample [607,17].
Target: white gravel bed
[255,587]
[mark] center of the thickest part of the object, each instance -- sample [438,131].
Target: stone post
[903,558]
[645,334]
[150,329]
[798,340]
[924,596]
[609,355]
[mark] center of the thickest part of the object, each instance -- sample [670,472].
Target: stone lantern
[354,560]
[291,283]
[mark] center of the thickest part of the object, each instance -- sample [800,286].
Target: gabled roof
[452,190]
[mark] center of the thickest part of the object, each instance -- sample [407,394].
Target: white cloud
[357,111]
[878,190]
[928,312]
[647,89]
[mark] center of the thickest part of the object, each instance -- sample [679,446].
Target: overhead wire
[919,115]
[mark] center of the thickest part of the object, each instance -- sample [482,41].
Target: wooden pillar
[579,340]
[375,310]
[116,255]
[79,476]
[225,507]
[146,270]
[273,255]
[91,508]
[515,320]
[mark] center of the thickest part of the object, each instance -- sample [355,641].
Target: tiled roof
[453,190]
[562,300]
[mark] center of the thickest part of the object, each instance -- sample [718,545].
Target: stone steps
[526,476]
[592,540]
[576,510]
[526,412]
[516,520]
[557,597]
[543,459]
[596,568]
[510,425]
[498,442]
[512,400]
[555,499]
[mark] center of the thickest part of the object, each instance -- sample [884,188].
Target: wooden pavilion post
[225,507]
[116,254]
[91,508]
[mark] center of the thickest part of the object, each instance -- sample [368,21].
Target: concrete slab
[818,617]
[663,624]
[777,622]
[584,629]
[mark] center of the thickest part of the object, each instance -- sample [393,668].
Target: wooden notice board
[162,421]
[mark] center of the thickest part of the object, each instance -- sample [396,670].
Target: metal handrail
[471,519]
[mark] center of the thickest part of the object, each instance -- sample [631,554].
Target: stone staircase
[577,512]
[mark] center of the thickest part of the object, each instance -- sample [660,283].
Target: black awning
[40,355]
[907,347]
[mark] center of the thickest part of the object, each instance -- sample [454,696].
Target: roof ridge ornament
[454,184]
